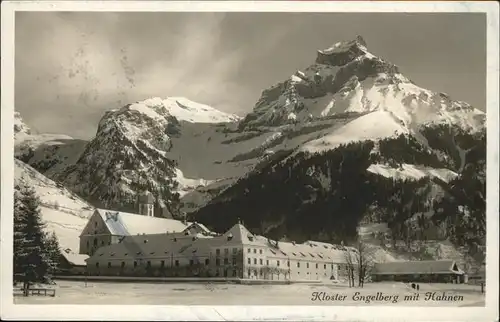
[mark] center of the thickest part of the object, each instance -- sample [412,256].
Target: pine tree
[53,251]
[30,254]
[19,229]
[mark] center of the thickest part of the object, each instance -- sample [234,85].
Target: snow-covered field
[75,292]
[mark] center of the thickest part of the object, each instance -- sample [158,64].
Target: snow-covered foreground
[75,292]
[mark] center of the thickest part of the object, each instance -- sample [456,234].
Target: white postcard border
[309,313]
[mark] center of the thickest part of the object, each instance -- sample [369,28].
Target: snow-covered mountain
[348,78]
[20,128]
[132,151]
[47,153]
[339,140]
[345,137]
[63,212]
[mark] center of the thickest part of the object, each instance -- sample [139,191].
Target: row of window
[191,263]
[262,274]
[254,251]
[226,251]
[249,260]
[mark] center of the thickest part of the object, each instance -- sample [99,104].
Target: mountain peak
[19,126]
[182,109]
[343,52]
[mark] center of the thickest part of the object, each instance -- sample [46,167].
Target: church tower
[146,204]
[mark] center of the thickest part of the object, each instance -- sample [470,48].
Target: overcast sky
[71,67]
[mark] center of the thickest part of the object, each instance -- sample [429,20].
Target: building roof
[201,226]
[417,267]
[125,224]
[74,258]
[310,250]
[163,245]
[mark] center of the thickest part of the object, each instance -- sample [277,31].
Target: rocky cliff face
[130,153]
[348,78]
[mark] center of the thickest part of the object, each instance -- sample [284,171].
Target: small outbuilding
[430,271]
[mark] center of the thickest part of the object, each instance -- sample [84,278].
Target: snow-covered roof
[75,259]
[312,250]
[201,226]
[125,224]
[161,245]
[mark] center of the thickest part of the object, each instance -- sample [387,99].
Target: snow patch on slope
[372,126]
[187,185]
[411,171]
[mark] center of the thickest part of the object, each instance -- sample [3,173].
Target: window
[191,262]
[88,244]
[95,242]
[288,263]
[261,261]
[109,264]
[207,261]
[97,265]
[234,261]
[255,261]
[235,250]
[249,261]
[226,261]
[298,264]
[95,223]
[176,262]
[249,250]
[123,265]
[307,265]
[267,261]
[102,242]
[226,251]
[162,264]
[316,265]
[135,264]
[324,266]
[217,262]
[255,251]
[148,264]
[217,252]
[249,272]
[278,263]
[260,251]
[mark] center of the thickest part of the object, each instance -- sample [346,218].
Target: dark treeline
[324,196]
